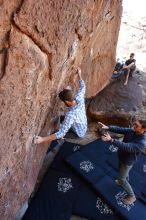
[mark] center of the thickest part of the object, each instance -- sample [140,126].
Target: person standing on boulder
[129,67]
[129,149]
[75,118]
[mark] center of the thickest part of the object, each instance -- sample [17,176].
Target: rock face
[117,104]
[41,44]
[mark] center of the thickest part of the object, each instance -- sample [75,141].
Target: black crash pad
[113,195]
[89,205]
[66,150]
[55,197]
[85,167]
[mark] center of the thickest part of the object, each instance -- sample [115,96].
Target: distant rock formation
[117,104]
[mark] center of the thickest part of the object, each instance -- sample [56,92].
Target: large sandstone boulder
[41,44]
[118,104]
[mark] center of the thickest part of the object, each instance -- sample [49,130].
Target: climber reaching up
[75,119]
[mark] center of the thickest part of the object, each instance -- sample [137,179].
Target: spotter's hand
[102,125]
[106,137]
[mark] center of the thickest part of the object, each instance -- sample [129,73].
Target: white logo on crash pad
[64,184]
[112,148]
[76,148]
[103,207]
[86,166]
[144,168]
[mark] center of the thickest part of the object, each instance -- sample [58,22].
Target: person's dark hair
[132,55]
[66,95]
[142,120]
[143,123]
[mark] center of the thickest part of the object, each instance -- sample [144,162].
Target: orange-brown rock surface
[41,44]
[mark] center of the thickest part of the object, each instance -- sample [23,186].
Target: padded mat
[91,206]
[64,192]
[66,150]
[85,167]
[113,161]
[113,195]
[143,195]
[136,179]
[140,165]
[55,197]
[98,151]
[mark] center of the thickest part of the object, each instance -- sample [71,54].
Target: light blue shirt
[76,117]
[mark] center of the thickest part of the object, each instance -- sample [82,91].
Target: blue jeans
[124,178]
